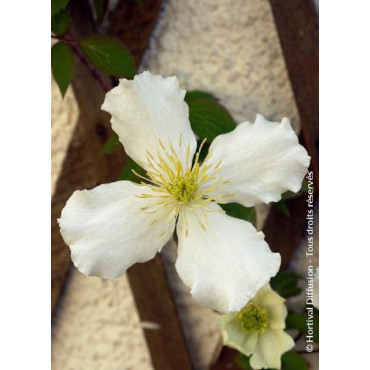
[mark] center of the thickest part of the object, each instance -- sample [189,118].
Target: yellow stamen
[178,186]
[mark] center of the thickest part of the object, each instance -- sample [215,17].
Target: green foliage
[239,211]
[112,144]
[140,4]
[289,361]
[101,7]
[286,284]
[62,65]
[109,55]
[60,22]
[127,173]
[208,118]
[57,5]
[303,190]
[242,361]
[282,207]
[298,321]
[293,361]
[197,94]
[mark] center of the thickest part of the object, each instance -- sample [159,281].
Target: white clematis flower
[258,330]
[223,259]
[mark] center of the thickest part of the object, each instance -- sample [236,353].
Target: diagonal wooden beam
[85,168]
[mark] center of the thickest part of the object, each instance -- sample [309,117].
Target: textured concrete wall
[229,47]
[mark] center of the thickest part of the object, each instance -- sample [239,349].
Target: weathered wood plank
[133,22]
[226,360]
[297,25]
[133,25]
[155,304]
[283,233]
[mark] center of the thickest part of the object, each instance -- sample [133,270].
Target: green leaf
[62,65]
[304,189]
[208,118]
[286,284]
[57,5]
[109,55]
[293,361]
[239,211]
[282,207]
[101,7]
[127,173]
[242,361]
[112,144]
[198,94]
[60,22]
[140,4]
[299,321]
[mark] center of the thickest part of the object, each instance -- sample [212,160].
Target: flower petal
[275,306]
[108,230]
[269,349]
[233,335]
[223,259]
[258,162]
[149,113]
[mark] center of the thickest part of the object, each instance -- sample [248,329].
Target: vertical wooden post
[297,26]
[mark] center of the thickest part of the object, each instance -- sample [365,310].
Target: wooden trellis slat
[297,23]
[297,26]
[85,168]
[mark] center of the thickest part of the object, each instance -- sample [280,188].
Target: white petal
[233,335]
[225,264]
[269,349]
[107,231]
[261,161]
[275,306]
[148,109]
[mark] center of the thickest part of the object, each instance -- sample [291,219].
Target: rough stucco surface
[64,114]
[97,327]
[228,47]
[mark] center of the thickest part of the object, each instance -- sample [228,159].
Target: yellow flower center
[253,318]
[183,188]
[178,184]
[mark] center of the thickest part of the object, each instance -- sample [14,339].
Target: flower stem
[298,337]
[76,49]
[65,39]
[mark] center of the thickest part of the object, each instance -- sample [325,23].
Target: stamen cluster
[253,318]
[178,185]
[183,188]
